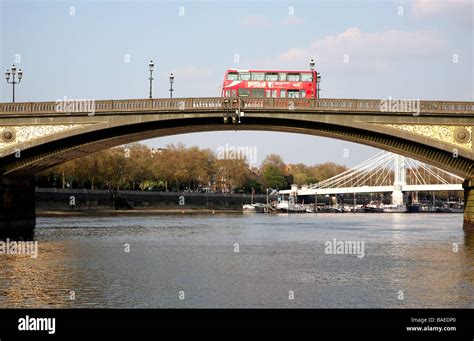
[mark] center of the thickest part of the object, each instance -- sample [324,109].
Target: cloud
[254,21]
[292,20]
[293,54]
[456,13]
[360,49]
[387,43]
[435,7]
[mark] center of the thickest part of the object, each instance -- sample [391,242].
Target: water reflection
[469,242]
[18,235]
[57,278]
[412,253]
[467,265]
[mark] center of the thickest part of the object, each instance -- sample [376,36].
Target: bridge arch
[36,136]
[49,152]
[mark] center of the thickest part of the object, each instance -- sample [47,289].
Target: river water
[244,261]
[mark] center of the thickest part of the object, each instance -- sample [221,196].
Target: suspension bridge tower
[399,180]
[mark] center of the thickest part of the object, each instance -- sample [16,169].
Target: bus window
[302,93]
[271,93]
[271,77]
[282,76]
[245,76]
[282,93]
[293,93]
[257,93]
[234,93]
[244,92]
[232,76]
[293,77]
[227,93]
[306,77]
[258,76]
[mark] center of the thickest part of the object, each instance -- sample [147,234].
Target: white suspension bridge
[384,172]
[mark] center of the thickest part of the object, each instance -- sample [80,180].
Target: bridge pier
[468,186]
[17,204]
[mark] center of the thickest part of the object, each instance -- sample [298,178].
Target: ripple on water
[277,254]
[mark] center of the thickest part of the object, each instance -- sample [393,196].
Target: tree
[135,167]
[199,166]
[231,173]
[274,177]
[252,183]
[274,160]
[300,179]
[169,165]
[327,170]
[141,170]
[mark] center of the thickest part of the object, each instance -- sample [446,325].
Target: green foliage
[252,183]
[274,177]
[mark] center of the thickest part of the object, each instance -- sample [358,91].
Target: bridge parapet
[75,106]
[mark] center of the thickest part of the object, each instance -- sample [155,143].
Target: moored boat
[257,208]
[283,206]
[373,207]
[394,208]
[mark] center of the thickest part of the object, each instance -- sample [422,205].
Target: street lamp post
[267,209]
[151,66]
[13,72]
[171,85]
[316,201]
[312,64]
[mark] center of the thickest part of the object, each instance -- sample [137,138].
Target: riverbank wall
[70,200]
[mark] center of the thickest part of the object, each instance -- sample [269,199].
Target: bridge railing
[218,103]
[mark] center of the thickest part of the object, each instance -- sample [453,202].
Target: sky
[416,49]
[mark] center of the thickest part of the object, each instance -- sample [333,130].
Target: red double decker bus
[271,83]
